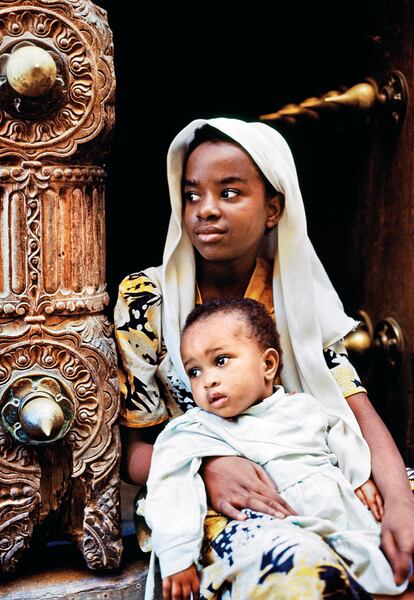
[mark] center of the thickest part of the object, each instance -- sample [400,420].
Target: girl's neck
[223,280]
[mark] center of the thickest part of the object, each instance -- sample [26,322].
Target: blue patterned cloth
[256,560]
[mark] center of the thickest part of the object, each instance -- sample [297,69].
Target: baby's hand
[369,495]
[181,585]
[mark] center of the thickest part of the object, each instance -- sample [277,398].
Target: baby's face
[226,367]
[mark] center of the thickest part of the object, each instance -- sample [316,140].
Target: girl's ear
[276,205]
[271,362]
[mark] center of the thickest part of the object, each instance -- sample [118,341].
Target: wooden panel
[381,249]
[51,257]
[18,242]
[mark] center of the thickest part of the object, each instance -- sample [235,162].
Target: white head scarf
[309,313]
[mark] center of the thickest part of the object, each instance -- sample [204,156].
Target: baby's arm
[181,585]
[369,495]
[176,502]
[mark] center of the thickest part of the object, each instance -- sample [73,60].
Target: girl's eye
[222,360]
[191,197]
[194,372]
[227,194]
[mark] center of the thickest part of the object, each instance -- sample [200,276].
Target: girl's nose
[208,208]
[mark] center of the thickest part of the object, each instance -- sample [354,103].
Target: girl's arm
[137,447]
[137,319]
[234,483]
[389,473]
[135,456]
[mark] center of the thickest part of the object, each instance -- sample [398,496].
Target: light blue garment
[294,439]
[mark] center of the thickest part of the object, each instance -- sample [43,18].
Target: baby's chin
[225,412]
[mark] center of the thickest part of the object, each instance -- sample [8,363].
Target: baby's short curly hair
[253,313]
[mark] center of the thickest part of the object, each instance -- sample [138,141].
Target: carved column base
[79,470]
[19,500]
[100,540]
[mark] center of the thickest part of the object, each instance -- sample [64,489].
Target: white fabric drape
[309,313]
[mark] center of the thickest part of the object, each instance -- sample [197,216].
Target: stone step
[59,573]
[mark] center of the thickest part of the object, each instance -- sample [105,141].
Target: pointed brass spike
[332,93]
[361,96]
[41,417]
[305,108]
[270,116]
[295,110]
[319,103]
[290,111]
[278,114]
[310,102]
[45,425]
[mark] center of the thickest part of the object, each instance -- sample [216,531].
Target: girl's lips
[210,237]
[209,233]
[209,229]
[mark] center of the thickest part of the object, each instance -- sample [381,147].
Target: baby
[231,353]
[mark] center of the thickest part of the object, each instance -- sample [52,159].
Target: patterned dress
[283,565]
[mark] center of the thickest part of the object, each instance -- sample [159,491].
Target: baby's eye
[222,360]
[194,372]
[191,197]
[227,194]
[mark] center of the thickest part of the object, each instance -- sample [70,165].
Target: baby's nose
[210,381]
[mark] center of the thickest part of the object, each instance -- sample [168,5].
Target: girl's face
[226,208]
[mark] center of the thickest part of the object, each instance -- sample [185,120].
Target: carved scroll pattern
[101,540]
[19,500]
[82,354]
[52,227]
[76,32]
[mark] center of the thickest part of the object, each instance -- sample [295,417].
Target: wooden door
[380,254]
[355,171]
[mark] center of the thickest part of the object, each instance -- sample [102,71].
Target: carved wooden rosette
[52,277]
[80,108]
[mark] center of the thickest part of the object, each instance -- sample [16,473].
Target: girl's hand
[181,585]
[398,536]
[369,495]
[234,483]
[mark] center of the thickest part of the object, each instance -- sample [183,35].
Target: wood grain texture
[52,284]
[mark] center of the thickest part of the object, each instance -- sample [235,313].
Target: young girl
[231,353]
[238,228]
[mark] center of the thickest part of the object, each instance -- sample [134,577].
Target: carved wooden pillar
[59,442]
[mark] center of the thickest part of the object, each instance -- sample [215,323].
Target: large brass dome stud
[31,71]
[37,409]
[42,418]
